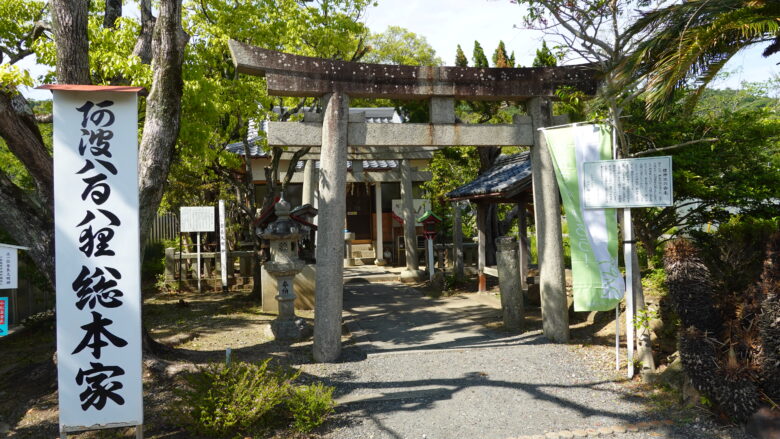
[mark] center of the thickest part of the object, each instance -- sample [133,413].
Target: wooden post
[555,310]
[329,288]
[481,214]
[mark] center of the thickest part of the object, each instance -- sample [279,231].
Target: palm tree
[686,44]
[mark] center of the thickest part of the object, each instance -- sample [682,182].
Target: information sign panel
[641,182]
[98,259]
[3,316]
[197,219]
[8,267]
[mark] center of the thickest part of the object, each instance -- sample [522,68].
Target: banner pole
[628,240]
[617,336]
[198,246]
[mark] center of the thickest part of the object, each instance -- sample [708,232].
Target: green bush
[250,399]
[734,253]
[154,262]
[310,405]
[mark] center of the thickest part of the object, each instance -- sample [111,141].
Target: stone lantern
[283,234]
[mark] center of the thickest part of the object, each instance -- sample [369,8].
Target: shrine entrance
[334,131]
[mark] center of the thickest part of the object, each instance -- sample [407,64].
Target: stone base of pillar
[413,276]
[482,282]
[296,329]
[380,262]
[349,262]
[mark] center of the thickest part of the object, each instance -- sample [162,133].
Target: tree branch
[667,148]
[19,130]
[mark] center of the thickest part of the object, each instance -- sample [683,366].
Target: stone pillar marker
[412,272]
[547,206]
[308,183]
[283,235]
[379,248]
[457,241]
[329,288]
[509,283]
[523,255]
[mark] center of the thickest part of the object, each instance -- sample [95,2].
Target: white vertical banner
[97,257]
[9,267]
[223,245]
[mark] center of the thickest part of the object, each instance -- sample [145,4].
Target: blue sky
[447,23]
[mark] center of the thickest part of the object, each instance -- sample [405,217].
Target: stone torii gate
[336,81]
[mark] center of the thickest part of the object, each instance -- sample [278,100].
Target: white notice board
[196,219]
[8,267]
[642,182]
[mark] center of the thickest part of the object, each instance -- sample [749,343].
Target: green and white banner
[596,280]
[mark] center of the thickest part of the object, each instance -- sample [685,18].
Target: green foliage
[460,58]
[397,45]
[310,406]
[478,57]
[734,253]
[739,171]
[654,282]
[643,317]
[451,167]
[12,76]
[247,399]
[153,262]
[544,57]
[18,31]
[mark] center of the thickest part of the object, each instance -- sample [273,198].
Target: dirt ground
[196,329]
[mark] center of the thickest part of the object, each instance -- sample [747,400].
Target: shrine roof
[505,181]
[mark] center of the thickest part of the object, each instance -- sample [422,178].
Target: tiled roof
[368,165]
[510,175]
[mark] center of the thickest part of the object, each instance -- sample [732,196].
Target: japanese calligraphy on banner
[643,182]
[3,316]
[597,283]
[8,267]
[98,259]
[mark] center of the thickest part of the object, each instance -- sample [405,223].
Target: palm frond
[687,44]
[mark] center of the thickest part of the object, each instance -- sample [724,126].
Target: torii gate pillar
[329,288]
[547,206]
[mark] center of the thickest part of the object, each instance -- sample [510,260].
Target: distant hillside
[713,102]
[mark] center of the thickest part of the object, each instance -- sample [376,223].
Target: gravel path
[430,368]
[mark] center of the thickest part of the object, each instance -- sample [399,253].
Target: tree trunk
[143,46]
[29,224]
[161,128]
[112,13]
[69,18]
[163,111]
